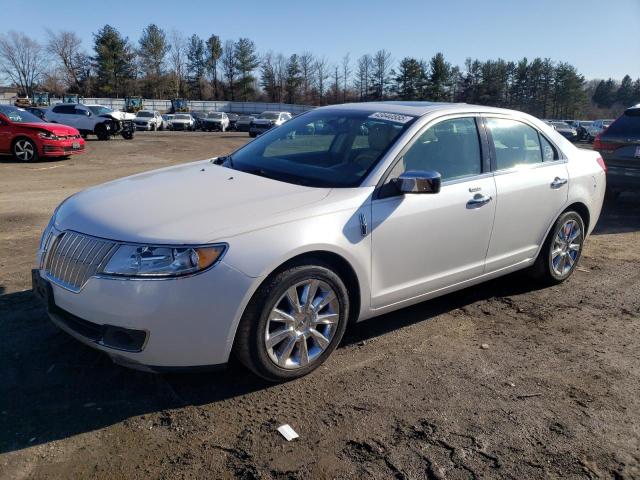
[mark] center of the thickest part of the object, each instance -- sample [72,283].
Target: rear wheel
[293,322]
[25,150]
[561,251]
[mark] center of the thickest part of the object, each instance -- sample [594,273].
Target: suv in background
[267,120]
[619,146]
[243,123]
[215,121]
[97,120]
[597,127]
[148,120]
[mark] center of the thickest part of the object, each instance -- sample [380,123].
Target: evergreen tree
[247,61]
[624,95]
[213,54]
[439,78]
[196,64]
[410,79]
[152,50]
[114,62]
[604,96]
[294,79]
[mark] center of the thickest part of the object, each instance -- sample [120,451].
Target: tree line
[168,64]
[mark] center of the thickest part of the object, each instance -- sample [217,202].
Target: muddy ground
[409,395]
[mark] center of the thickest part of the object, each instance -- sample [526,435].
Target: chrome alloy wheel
[24,150]
[566,248]
[302,323]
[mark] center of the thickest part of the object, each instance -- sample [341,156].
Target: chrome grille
[73,258]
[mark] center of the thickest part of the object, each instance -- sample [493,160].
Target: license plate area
[75,145]
[637,154]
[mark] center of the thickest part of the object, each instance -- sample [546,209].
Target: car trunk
[619,145]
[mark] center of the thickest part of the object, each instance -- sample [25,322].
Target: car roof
[418,108]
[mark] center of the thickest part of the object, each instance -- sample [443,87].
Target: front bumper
[60,148]
[154,324]
[144,126]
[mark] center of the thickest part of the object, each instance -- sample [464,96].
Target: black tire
[101,132]
[249,345]
[127,135]
[24,150]
[253,135]
[154,127]
[543,270]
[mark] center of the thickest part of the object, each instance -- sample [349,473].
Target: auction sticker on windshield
[392,117]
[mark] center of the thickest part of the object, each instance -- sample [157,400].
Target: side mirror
[87,113]
[417,181]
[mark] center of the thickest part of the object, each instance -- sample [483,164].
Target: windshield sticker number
[392,117]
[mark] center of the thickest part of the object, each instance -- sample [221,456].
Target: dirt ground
[412,394]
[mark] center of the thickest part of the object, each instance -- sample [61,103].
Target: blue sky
[600,37]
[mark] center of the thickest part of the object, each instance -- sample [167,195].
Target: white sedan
[339,215]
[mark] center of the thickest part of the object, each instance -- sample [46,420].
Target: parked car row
[150,120]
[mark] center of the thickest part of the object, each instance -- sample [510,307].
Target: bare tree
[66,47]
[307,74]
[177,59]
[381,73]
[365,65]
[230,66]
[22,60]
[321,68]
[346,72]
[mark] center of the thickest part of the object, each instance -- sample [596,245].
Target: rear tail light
[602,164]
[600,146]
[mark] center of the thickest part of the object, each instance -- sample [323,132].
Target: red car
[28,137]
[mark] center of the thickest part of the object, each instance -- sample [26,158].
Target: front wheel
[561,250]
[101,132]
[25,150]
[293,322]
[127,135]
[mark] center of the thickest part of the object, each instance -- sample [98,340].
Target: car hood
[119,115]
[55,128]
[188,204]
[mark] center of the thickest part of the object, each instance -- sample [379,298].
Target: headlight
[161,261]
[48,136]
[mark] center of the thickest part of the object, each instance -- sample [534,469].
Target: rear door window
[65,109]
[627,125]
[516,144]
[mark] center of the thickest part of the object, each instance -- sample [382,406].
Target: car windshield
[586,124]
[183,117]
[100,110]
[19,115]
[269,115]
[214,115]
[145,114]
[323,148]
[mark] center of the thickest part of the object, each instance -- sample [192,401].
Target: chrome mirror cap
[416,181]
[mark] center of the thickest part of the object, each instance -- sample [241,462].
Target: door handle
[558,182]
[479,200]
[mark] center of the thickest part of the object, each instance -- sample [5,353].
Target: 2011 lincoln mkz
[339,215]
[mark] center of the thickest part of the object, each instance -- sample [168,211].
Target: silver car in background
[339,215]
[267,120]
